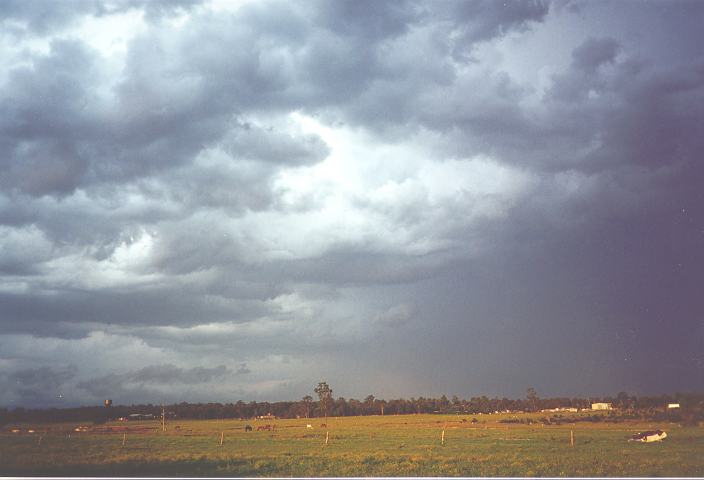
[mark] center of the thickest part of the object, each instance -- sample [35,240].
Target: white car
[649,436]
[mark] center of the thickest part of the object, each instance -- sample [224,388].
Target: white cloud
[110,34]
[384,197]
[24,246]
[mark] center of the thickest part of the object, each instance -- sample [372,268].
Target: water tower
[108,410]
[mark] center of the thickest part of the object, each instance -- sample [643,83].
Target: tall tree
[623,400]
[307,401]
[369,404]
[325,395]
[532,397]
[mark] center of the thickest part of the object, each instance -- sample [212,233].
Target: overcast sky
[236,200]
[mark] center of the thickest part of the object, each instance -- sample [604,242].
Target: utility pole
[163,418]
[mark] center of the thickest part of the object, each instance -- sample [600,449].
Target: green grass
[359,446]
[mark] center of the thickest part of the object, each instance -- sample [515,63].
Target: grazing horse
[247,428]
[309,426]
[264,427]
[323,425]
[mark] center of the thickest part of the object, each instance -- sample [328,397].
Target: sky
[234,200]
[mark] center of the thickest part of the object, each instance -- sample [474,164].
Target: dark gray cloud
[595,52]
[266,144]
[483,20]
[366,19]
[156,381]
[35,386]
[286,188]
[77,312]
[166,374]
[47,115]
[63,133]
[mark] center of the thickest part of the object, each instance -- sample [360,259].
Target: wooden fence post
[571,438]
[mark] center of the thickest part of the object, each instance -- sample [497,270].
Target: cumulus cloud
[277,187]
[21,18]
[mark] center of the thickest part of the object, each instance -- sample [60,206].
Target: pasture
[405,445]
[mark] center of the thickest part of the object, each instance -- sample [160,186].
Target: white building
[601,406]
[673,405]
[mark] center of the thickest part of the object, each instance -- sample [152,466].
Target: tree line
[326,405]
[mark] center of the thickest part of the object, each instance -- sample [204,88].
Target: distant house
[673,405]
[559,409]
[601,406]
[266,417]
[140,416]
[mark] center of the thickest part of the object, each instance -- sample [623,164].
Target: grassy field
[409,445]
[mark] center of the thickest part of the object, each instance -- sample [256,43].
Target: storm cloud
[215,201]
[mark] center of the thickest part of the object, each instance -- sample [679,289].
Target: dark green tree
[369,404]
